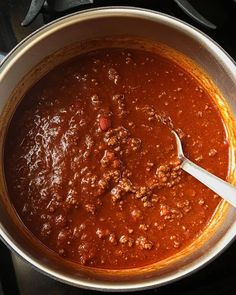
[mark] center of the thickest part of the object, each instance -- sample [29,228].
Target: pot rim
[154,16]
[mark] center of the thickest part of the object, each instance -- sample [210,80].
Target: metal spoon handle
[219,186]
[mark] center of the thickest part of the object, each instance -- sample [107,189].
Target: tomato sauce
[91,165]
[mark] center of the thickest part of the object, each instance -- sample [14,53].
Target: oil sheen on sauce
[91,164]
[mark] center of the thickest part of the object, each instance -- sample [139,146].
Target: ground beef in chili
[91,163]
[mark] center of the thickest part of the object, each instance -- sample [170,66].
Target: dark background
[219,277]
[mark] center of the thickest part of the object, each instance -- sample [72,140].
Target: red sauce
[91,164]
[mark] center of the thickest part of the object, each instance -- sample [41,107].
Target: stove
[217,18]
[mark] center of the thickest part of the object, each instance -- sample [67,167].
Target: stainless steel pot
[94,24]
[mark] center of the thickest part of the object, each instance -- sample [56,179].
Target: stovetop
[217,18]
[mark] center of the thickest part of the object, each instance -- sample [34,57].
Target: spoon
[219,186]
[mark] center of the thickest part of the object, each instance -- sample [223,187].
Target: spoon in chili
[219,186]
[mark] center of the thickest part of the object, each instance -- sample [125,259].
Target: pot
[20,69]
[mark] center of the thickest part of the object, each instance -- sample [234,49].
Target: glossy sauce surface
[91,164]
